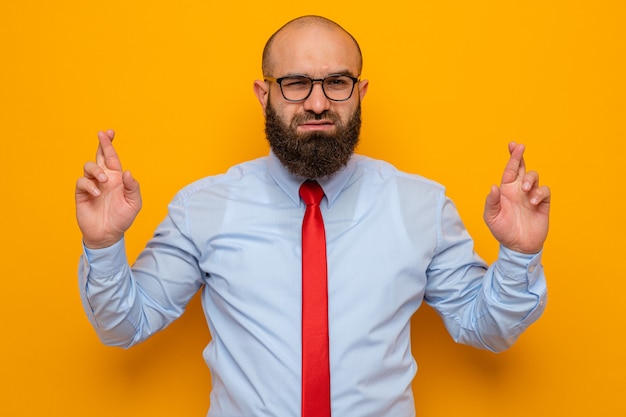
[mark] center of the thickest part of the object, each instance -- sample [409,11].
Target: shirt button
[531,269]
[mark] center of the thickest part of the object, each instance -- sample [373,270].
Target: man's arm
[487,307]
[490,307]
[126,305]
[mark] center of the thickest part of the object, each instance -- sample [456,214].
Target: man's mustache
[309,116]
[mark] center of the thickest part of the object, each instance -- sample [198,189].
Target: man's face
[315,137]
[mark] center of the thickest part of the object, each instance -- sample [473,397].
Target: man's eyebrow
[334,73]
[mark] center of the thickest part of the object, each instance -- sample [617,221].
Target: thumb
[131,190]
[492,204]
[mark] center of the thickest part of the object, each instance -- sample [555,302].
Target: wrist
[101,244]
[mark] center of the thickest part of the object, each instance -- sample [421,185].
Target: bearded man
[301,328]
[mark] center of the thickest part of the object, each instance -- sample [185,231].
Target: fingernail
[95,191]
[102,177]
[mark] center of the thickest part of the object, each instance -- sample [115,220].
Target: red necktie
[315,364]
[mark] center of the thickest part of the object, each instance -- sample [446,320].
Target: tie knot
[311,192]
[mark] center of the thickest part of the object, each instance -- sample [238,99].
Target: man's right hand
[107,198]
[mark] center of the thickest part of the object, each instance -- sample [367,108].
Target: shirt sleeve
[487,307]
[125,304]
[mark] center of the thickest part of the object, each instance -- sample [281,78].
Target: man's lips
[316,125]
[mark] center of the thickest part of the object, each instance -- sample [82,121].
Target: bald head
[302,25]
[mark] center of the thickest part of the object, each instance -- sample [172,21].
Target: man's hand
[107,198]
[517,211]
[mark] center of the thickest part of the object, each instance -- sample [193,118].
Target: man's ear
[363,85]
[262,93]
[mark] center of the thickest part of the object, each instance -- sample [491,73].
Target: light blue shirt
[394,240]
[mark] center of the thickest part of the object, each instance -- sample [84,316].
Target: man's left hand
[517,211]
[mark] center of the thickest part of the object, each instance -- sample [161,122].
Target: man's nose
[317,102]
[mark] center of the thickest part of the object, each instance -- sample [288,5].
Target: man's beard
[314,154]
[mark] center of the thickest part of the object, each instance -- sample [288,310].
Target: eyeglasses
[299,87]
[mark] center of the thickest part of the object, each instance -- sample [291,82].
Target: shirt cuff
[519,266]
[106,261]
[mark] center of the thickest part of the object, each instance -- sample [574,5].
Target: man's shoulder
[371,167]
[237,175]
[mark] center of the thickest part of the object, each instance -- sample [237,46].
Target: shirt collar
[290,183]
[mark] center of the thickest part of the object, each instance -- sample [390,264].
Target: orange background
[450,84]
